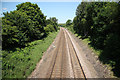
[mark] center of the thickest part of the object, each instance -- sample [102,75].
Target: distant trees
[69,25]
[52,24]
[62,24]
[49,28]
[100,22]
[24,24]
[69,22]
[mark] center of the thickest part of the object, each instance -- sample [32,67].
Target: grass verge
[97,52]
[87,41]
[21,62]
[109,55]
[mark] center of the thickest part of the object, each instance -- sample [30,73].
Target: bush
[49,28]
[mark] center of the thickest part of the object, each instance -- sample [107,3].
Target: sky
[61,10]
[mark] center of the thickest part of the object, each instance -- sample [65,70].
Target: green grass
[113,64]
[77,35]
[87,41]
[21,62]
[70,28]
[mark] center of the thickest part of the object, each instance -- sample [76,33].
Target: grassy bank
[87,41]
[21,62]
[101,58]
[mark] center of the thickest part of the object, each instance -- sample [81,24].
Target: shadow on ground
[111,54]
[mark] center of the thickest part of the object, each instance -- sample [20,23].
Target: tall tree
[23,25]
[68,22]
[100,21]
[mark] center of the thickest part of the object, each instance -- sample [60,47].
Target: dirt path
[64,59]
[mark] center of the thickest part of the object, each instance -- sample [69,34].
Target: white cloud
[4,8]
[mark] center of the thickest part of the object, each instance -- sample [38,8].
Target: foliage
[54,22]
[1,45]
[21,62]
[49,28]
[22,25]
[69,25]
[24,39]
[69,22]
[62,24]
[99,21]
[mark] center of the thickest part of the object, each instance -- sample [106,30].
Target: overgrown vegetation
[62,24]
[22,61]
[24,25]
[99,22]
[26,34]
[69,25]
[51,25]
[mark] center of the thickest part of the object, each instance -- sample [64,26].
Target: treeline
[69,25]
[100,22]
[25,24]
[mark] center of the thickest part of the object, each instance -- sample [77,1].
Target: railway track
[77,68]
[62,62]
[65,55]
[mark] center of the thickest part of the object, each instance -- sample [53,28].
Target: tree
[53,21]
[100,21]
[68,22]
[23,25]
[36,18]
[49,28]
